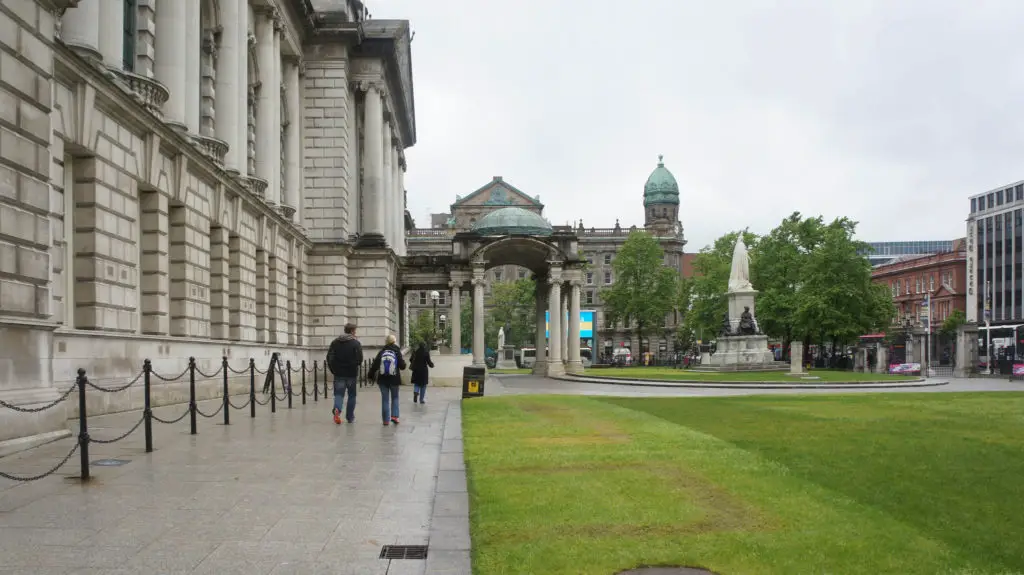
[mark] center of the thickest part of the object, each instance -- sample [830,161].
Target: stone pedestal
[506,358]
[737,301]
[966,350]
[743,352]
[882,359]
[796,358]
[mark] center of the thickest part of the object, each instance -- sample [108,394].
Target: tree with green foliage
[514,303]
[702,297]
[645,289]
[953,322]
[423,329]
[836,299]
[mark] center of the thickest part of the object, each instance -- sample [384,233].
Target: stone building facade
[198,178]
[597,246]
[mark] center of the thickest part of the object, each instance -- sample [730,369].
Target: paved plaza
[289,492]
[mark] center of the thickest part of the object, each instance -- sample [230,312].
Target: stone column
[555,365]
[478,316]
[112,33]
[230,56]
[796,357]
[574,363]
[240,105]
[387,194]
[80,29]
[540,341]
[268,125]
[456,317]
[565,328]
[170,65]
[373,166]
[401,200]
[193,70]
[277,184]
[293,150]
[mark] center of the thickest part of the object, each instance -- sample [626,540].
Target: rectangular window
[931,283]
[522,274]
[898,284]
[607,259]
[497,275]
[590,278]
[991,201]
[974,205]
[128,54]
[423,298]
[607,277]
[999,198]
[588,297]
[442,298]
[1019,189]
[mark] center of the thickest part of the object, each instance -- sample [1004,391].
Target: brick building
[911,278]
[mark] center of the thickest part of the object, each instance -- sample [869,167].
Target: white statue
[501,337]
[739,276]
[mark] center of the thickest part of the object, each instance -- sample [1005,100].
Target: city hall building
[198,178]
[598,246]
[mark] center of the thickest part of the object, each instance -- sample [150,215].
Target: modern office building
[880,253]
[994,250]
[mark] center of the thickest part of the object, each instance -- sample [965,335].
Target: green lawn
[894,483]
[823,375]
[510,371]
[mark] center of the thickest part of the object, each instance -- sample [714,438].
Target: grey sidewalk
[285,493]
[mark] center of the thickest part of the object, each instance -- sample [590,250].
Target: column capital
[252,40]
[367,85]
[576,283]
[455,286]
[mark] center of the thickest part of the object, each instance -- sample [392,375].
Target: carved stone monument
[506,353]
[741,345]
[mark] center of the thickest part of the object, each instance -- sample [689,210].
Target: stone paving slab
[289,492]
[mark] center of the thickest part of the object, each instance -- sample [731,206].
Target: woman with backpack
[387,368]
[420,372]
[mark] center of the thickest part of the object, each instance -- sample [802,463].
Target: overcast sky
[889,112]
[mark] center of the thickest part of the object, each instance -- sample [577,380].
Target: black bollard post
[316,392]
[273,383]
[147,407]
[288,385]
[252,387]
[192,393]
[227,406]
[303,367]
[83,426]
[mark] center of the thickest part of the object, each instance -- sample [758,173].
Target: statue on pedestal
[726,325]
[508,330]
[501,338]
[747,326]
[739,275]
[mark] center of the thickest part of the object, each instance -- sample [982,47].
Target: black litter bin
[473,381]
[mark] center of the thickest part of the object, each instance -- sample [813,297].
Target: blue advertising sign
[586,323]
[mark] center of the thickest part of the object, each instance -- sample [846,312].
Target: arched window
[128,54]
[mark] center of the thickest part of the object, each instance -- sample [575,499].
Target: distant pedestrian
[344,358]
[420,367]
[387,368]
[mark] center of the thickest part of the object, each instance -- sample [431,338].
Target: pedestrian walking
[344,357]
[387,368]
[420,366]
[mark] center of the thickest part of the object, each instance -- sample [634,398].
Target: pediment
[499,194]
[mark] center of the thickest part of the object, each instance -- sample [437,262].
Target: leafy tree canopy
[513,303]
[645,290]
[422,329]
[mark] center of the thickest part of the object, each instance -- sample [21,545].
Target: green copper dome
[661,187]
[508,221]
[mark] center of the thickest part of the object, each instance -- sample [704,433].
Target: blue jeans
[341,386]
[388,402]
[421,389]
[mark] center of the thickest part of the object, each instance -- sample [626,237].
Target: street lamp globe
[434,296]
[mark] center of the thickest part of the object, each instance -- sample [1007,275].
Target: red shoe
[337,416]
[394,420]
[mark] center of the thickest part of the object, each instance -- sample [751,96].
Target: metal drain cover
[110,462]
[403,552]
[668,571]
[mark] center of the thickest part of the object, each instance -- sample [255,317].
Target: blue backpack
[388,362]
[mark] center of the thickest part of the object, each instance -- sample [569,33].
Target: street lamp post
[434,296]
[442,321]
[988,329]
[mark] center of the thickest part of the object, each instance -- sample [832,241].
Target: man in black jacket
[344,358]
